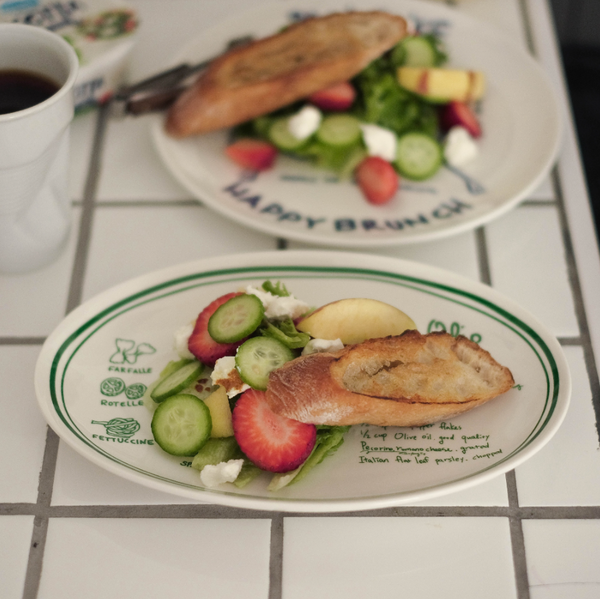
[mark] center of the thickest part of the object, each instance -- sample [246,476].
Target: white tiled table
[69,529]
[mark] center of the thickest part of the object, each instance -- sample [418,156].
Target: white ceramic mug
[35,208]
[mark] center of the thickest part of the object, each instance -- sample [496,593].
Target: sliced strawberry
[201,344]
[334,98]
[459,114]
[253,154]
[377,179]
[274,443]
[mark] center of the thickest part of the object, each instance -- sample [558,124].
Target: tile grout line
[580,312]
[485,275]
[573,273]
[514,517]
[517,539]
[276,557]
[527,28]
[215,512]
[571,341]
[22,340]
[164,203]
[40,522]
[46,480]
[538,203]
[584,334]
[87,216]
[182,203]
[43,511]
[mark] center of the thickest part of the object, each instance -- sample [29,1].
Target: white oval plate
[520,119]
[126,333]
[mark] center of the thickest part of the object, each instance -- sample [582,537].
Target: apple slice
[443,85]
[220,413]
[354,320]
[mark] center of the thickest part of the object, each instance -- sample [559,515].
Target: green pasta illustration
[120,427]
[135,391]
[112,386]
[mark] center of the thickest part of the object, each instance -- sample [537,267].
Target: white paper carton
[101,31]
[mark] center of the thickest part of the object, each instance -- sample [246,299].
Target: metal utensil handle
[154,93]
[159,91]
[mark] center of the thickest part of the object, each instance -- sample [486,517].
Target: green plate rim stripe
[510,317]
[525,442]
[344,270]
[340,271]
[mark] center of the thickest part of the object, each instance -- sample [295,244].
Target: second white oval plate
[94,367]
[520,120]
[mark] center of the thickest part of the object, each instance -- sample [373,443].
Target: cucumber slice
[172,366]
[281,137]
[181,425]
[415,51]
[418,156]
[419,51]
[176,381]
[257,357]
[236,319]
[339,130]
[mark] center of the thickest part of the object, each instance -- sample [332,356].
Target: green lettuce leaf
[286,332]
[329,440]
[276,288]
[385,103]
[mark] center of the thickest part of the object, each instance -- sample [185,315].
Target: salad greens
[222,449]
[383,102]
[278,288]
[285,331]
[380,100]
[329,439]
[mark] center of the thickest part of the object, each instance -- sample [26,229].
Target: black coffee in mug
[22,89]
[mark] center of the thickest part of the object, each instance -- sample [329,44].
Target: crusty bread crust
[278,70]
[407,380]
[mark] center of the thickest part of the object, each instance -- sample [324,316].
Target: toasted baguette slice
[278,70]
[407,380]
